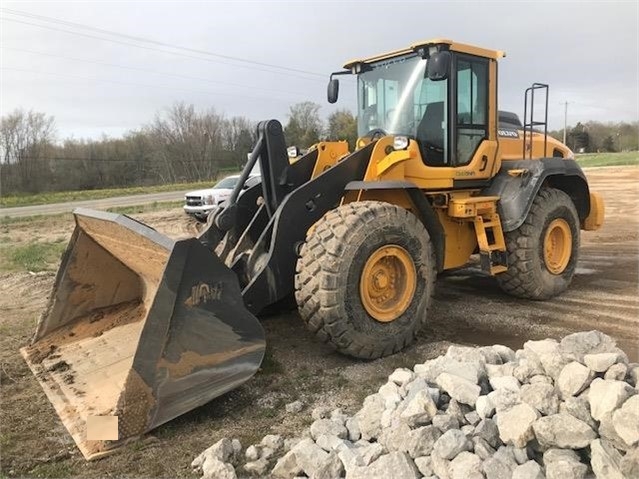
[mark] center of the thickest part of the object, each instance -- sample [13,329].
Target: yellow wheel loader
[140,328]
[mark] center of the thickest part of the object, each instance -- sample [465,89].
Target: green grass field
[608,159]
[65,196]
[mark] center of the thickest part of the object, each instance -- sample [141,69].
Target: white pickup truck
[200,203]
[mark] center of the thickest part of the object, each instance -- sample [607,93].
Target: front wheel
[365,278]
[542,252]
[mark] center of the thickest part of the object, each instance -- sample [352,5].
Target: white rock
[273,441]
[401,376]
[215,469]
[504,399]
[420,441]
[528,470]
[444,422]
[389,392]
[470,370]
[287,465]
[600,363]
[527,367]
[515,424]
[563,431]
[451,443]
[466,465]
[541,396]
[605,460]
[395,464]
[252,453]
[505,353]
[563,464]
[607,431]
[482,448]
[504,382]
[368,418]
[459,388]
[328,427]
[589,342]
[573,379]
[332,443]
[424,465]
[633,375]
[258,467]
[630,463]
[221,450]
[579,408]
[499,370]
[616,372]
[330,468]
[625,420]
[485,407]
[309,456]
[487,430]
[352,425]
[420,410]
[606,396]
[494,468]
[294,407]
[369,452]
[440,466]
[472,418]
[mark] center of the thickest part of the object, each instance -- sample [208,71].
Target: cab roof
[453,46]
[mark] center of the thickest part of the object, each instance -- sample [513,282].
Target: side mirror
[332,92]
[438,66]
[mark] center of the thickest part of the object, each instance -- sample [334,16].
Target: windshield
[229,182]
[393,95]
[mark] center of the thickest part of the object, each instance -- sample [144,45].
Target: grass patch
[270,365]
[53,470]
[155,206]
[64,196]
[32,257]
[608,159]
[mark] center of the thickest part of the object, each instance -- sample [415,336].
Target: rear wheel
[542,252]
[365,278]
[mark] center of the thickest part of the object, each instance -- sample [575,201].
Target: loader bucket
[138,330]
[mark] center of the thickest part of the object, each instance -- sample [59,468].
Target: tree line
[594,136]
[181,144]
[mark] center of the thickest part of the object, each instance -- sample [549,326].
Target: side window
[431,119]
[472,104]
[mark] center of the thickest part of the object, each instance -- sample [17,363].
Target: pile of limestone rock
[564,409]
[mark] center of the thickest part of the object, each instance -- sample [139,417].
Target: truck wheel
[542,252]
[365,278]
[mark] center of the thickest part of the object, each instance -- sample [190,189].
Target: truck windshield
[393,95]
[228,182]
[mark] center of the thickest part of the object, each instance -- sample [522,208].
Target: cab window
[472,107]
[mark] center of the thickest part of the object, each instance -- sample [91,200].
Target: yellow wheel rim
[557,246]
[388,283]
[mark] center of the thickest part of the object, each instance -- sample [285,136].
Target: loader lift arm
[259,239]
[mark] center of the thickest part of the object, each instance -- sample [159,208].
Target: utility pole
[565,120]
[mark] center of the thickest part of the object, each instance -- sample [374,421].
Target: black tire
[527,275]
[328,277]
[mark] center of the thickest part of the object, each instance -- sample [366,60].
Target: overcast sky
[587,51]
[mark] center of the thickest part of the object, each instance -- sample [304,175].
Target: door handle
[484,163]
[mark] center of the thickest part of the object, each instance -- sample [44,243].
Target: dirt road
[469,308]
[101,204]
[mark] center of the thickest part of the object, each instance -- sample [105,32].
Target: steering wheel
[375,134]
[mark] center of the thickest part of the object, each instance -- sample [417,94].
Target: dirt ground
[469,309]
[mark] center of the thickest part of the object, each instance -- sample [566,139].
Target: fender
[422,206]
[518,182]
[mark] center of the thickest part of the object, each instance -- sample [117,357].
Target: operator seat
[430,134]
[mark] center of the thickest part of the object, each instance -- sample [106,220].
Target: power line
[160,50]
[206,92]
[155,72]
[154,42]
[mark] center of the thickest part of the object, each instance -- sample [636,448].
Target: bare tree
[26,138]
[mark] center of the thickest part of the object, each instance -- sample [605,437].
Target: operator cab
[436,93]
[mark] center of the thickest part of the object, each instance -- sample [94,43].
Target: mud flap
[139,329]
